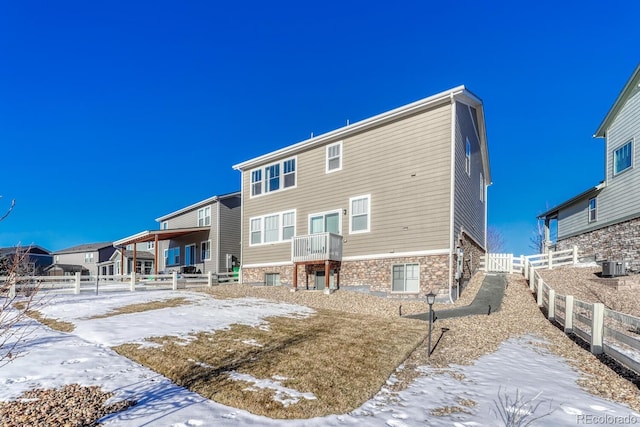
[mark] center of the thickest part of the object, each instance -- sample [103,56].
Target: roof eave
[442,97]
[554,211]
[619,102]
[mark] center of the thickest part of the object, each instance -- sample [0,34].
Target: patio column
[122,261]
[295,276]
[155,256]
[133,266]
[327,271]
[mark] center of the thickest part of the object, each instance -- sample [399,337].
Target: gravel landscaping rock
[70,406]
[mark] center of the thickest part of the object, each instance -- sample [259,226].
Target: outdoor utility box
[613,269]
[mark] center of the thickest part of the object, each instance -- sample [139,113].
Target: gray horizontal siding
[404,166]
[229,232]
[469,211]
[620,199]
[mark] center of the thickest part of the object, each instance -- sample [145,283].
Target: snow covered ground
[84,356]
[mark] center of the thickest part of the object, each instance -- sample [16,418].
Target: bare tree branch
[17,296]
[6,214]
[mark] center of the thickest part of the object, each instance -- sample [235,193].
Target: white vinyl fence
[610,332]
[79,283]
[507,263]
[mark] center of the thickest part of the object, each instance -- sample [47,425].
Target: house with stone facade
[396,203]
[604,220]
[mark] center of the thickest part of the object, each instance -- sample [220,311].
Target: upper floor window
[272,228]
[622,158]
[204,216]
[256,182]
[334,157]
[274,177]
[593,209]
[360,214]
[164,225]
[88,257]
[467,158]
[151,245]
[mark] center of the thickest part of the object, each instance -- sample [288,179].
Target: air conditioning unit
[613,269]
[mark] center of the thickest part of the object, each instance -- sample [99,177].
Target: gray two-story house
[604,220]
[396,202]
[83,259]
[199,238]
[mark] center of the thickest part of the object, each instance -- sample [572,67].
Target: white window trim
[164,225]
[482,187]
[264,177]
[404,264]
[204,216]
[467,157]
[613,157]
[151,245]
[280,228]
[589,220]
[209,257]
[351,199]
[88,257]
[338,211]
[339,168]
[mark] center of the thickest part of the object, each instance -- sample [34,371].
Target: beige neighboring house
[199,238]
[82,259]
[396,203]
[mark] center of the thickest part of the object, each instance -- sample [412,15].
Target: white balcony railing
[317,247]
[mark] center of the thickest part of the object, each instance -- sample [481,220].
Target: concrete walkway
[488,300]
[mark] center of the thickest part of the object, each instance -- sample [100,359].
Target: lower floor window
[172,256]
[406,278]
[272,279]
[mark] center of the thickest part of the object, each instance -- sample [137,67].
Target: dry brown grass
[54,324]
[342,358]
[144,306]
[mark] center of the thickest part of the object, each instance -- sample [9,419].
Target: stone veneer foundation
[616,242]
[376,274]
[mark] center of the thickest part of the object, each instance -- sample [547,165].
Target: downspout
[452,193]
[242,193]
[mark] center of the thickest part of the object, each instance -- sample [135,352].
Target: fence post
[575,254]
[550,259]
[525,269]
[209,279]
[532,282]
[77,284]
[568,314]
[12,287]
[597,328]
[132,285]
[551,313]
[540,291]
[510,263]
[174,281]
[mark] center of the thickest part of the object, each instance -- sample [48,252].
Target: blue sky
[115,113]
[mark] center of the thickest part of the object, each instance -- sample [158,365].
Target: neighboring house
[604,221]
[201,237]
[32,260]
[82,258]
[386,203]
[144,260]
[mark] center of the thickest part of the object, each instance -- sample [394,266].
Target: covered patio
[153,236]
